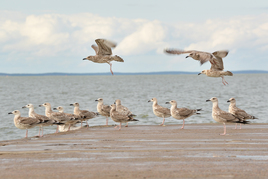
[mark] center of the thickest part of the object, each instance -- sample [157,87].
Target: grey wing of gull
[178,52]
[163,110]
[242,114]
[228,117]
[60,117]
[95,47]
[217,64]
[29,121]
[104,46]
[184,111]
[106,108]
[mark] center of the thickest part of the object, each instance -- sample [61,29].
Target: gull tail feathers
[117,58]
[227,73]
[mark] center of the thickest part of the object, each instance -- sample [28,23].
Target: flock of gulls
[121,114]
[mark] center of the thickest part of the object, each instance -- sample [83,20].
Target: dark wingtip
[199,109]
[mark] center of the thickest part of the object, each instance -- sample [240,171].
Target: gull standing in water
[223,116]
[214,58]
[104,53]
[160,111]
[181,113]
[238,112]
[103,110]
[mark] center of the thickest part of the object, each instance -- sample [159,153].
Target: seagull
[238,112]
[214,58]
[104,53]
[181,113]
[84,114]
[24,122]
[223,116]
[160,111]
[103,110]
[120,117]
[122,109]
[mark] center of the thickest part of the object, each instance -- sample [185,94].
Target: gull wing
[184,111]
[95,47]
[162,110]
[104,47]
[177,51]
[216,62]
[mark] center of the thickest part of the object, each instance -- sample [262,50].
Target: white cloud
[59,35]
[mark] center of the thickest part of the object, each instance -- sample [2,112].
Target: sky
[54,36]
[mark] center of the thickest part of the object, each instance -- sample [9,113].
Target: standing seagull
[160,111]
[120,117]
[59,117]
[84,114]
[238,112]
[24,122]
[45,120]
[103,110]
[223,116]
[122,109]
[74,118]
[214,58]
[104,53]
[181,113]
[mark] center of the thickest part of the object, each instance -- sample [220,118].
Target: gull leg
[225,81]
[222,80]
[119,126]
[235,126]
[182,125]
[126,125]
[240,126]
[106,121]
[115,127]
[224,129]
[26,135]
[39,131]
[111,68]
[163,122]
[81,124]
[57,130]
[42,131]
[87,125]
[69,127]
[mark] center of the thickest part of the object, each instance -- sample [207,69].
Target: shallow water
[250,91]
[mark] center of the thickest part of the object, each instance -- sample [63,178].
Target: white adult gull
[214,58]
[104,53]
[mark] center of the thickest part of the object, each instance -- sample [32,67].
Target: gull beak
[96,100]
[54,108]
[23,107]
[84,58]
[186,56]
[199,73]
[40,105]
[208,100]
[228,101]
[167,102]
[71,104]
[10,113]
[149,101]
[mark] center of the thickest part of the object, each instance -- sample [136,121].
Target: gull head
[117,102]
[172,102]
[193,55]
[75,104]
[203,72]
[16,112]
[59,108]
[231,100]
[28,106]
[152,100]
[213,99]
[89,58]
[99,100]
[47,105]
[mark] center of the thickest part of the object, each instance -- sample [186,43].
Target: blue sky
[54,36]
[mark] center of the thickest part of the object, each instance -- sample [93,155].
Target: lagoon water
[192,91]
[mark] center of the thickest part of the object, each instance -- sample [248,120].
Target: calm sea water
[250,91]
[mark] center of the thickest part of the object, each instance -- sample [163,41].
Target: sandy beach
[198,151]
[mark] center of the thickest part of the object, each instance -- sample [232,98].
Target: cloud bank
[57,35]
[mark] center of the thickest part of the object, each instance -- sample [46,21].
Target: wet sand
[198,151]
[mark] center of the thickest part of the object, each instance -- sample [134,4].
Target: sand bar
[198,151]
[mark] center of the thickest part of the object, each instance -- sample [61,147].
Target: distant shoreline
[123,73]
